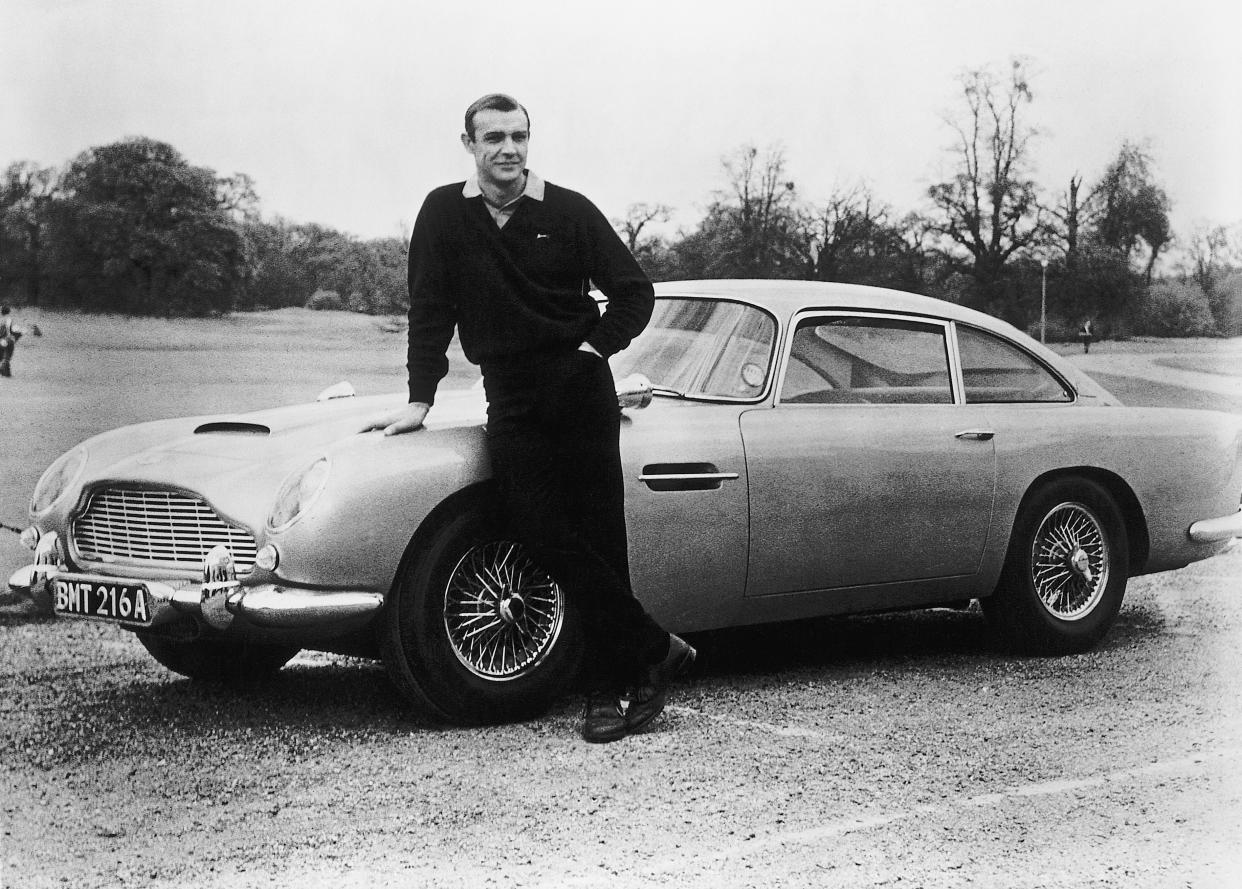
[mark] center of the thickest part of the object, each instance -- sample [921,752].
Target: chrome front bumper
[1218,529]
[217,600]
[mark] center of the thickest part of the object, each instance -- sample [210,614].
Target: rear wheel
[475,631]
[1065,573]
[212,660]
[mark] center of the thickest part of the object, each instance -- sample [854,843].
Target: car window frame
[774,369]
[956,389]
[1061,379]
[956,376]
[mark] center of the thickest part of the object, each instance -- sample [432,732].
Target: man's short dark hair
[493,102]
[4,310]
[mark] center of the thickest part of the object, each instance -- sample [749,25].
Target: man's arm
[613,269]
[432,319]
[432,313]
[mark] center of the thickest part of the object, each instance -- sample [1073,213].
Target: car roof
[785,298]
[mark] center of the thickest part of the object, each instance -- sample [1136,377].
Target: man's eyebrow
[518,132]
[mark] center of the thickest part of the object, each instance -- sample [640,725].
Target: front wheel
[1065,573]
[210,660]
[474,631]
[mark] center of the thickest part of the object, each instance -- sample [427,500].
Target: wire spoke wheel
[502,613]
[1070,560]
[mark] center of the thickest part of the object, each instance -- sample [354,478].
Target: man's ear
[467,143]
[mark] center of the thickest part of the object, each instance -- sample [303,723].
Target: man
[508,260]
[9,336]
[1086,334]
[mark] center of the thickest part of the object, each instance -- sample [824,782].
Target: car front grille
[156,528]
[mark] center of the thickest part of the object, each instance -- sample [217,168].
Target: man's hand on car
[407,419]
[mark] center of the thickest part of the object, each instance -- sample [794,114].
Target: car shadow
[856,641]
[940,638]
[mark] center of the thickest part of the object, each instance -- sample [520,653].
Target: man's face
[498,145]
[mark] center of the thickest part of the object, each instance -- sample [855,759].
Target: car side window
[863,360]
[995,371]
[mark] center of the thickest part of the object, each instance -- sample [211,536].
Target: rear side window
[996,371]
[859,360]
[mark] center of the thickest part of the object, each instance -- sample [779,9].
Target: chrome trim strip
[1217,529]
[688,476]
[957,376]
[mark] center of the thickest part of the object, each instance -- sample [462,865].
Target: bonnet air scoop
[233,428]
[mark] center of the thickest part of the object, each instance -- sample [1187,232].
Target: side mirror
[633,391]
[342,389]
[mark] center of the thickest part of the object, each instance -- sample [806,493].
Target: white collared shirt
[533,189]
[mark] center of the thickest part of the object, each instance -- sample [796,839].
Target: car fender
[380,490]
[1180,465]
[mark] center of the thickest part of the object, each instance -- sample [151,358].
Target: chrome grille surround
[155,528]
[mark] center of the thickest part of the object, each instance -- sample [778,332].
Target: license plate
[103,598]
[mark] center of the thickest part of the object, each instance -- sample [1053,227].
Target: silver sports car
[791,449]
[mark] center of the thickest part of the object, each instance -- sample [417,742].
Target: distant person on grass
[1086,334]
[508,260]
[9,335]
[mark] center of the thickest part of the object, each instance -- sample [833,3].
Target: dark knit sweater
[519,290]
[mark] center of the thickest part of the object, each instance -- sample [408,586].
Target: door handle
[976,435]
[684,476]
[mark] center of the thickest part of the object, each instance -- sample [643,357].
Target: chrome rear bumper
[1218,529]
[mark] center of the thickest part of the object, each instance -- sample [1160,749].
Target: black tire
[474,632]
[1065,573]
[211,660]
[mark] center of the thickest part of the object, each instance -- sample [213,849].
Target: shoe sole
[683,665]
[605,739]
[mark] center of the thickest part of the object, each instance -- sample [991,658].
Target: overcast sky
[347,113]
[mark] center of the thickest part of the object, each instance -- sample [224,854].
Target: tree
[850,239]
[291,262]
[236,196]
[140,230]
[1215,254]
[1131,210]
[1068,217]
[988,207]
[25,194]
[752,230]
[638,217]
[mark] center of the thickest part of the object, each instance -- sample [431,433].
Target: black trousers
[553,430]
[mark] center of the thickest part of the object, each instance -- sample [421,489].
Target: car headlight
[57,479]
[298,492]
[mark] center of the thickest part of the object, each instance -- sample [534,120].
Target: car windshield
[703,348]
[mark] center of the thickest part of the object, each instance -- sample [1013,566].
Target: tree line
[989,236]
[133,227]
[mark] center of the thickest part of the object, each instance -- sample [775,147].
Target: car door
[686,511]
[867,469]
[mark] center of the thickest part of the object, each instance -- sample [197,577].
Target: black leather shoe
[647,700]
[605,718]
